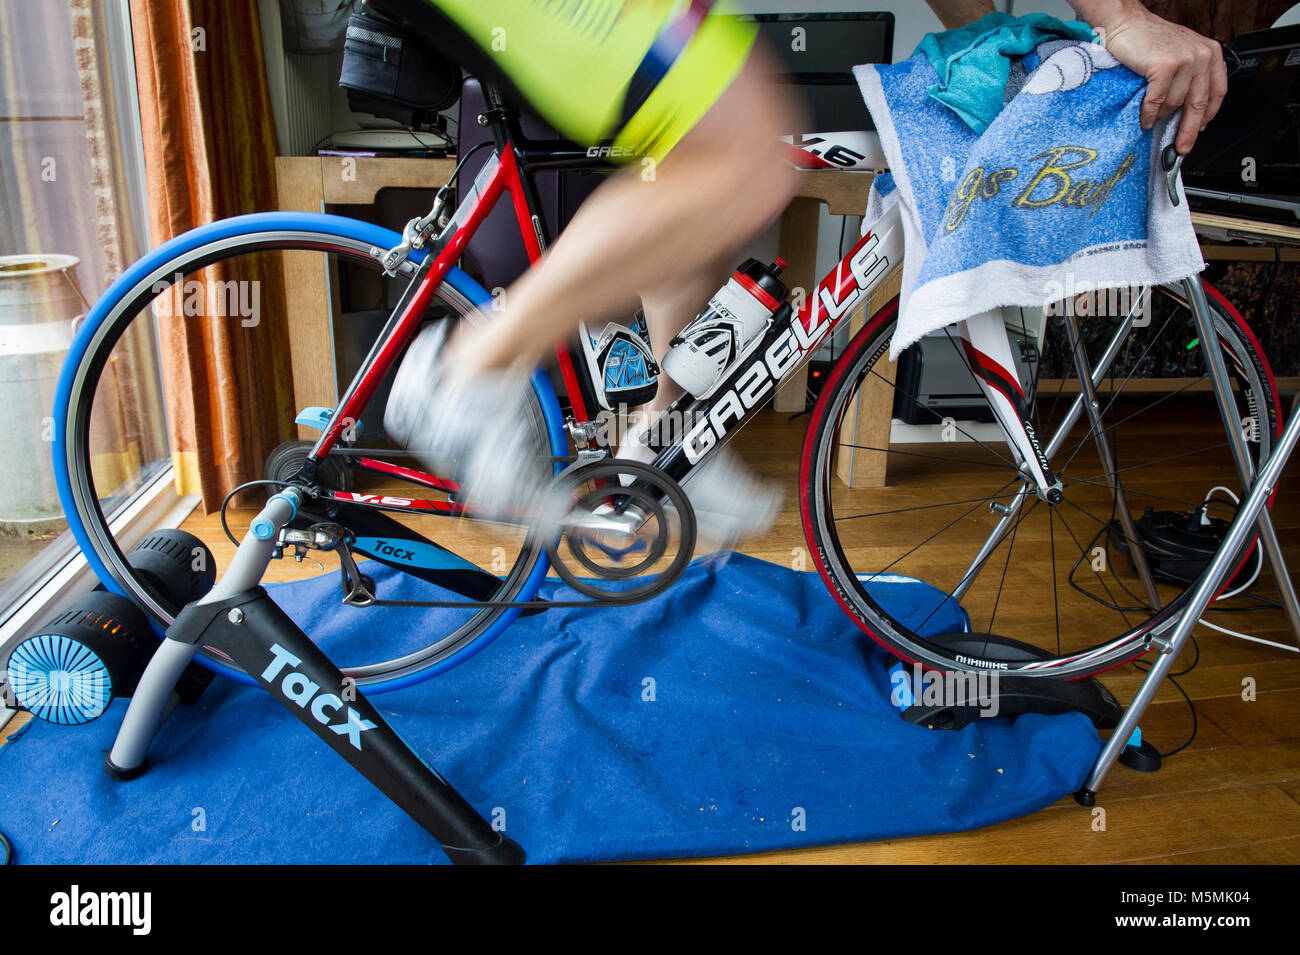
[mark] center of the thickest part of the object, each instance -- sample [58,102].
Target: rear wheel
[957,513]
[451,559]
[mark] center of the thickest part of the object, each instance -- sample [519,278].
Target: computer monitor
[1249,154]
[818,51]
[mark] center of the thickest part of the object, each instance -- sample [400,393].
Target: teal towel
[974,61]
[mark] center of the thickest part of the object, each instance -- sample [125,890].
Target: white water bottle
[737,314]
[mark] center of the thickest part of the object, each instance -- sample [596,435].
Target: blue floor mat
[740,711]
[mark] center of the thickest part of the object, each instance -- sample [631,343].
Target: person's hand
[1181,67]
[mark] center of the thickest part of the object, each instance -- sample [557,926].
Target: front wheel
[956,511]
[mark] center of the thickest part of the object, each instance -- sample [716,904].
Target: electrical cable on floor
[8,850]
[1259,566]
[1261,602]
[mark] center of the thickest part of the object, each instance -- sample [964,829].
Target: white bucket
[39,307]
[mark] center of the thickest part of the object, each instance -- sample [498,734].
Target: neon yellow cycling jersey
[639,72]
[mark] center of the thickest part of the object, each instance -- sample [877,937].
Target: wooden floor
[1233,796]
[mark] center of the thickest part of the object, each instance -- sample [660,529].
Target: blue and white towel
[1062,190]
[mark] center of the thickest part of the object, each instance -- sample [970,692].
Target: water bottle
[622,366]
[736,316]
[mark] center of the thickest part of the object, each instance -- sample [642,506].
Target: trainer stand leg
[239,619]
[152,701]
[154,694]
[1268,541]
[1211,581]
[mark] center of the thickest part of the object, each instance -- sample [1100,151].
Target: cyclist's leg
[722,183]
[668,308]
[717,175]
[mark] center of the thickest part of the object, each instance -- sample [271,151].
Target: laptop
[1247,161]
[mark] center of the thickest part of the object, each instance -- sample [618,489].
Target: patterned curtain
[209,153]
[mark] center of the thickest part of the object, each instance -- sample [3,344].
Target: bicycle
[1080,387]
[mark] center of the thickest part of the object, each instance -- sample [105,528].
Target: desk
[1210,225]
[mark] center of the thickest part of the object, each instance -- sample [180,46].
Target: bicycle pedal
[605,519]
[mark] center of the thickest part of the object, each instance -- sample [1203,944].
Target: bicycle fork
[988,350]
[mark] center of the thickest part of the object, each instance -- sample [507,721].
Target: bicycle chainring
[629,535]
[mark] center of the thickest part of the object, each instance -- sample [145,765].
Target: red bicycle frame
[791,340]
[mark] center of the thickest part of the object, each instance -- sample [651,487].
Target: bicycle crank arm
[625,524]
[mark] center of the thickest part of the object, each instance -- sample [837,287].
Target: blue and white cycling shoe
[479,430]
[730,502]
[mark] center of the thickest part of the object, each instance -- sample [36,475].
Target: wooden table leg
[307,294]
[868,419]
[310,184]
[799,249]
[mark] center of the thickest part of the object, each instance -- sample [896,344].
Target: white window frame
[157,505]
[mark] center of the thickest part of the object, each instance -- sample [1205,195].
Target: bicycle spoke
[1147,464]
[1088,514]
[1006,564]
[956,520]
[950,595]
[934,457]
[1137,363]
[1130,417]
[918,507]
[960,430]
[1134,491]
[1084,551]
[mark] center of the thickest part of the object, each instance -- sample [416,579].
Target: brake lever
[1171,160]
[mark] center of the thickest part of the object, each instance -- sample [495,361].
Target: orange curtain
[210,148]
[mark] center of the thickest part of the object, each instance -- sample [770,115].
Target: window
[72,217]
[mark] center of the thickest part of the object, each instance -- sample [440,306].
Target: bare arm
[958,13]
[1181,67]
